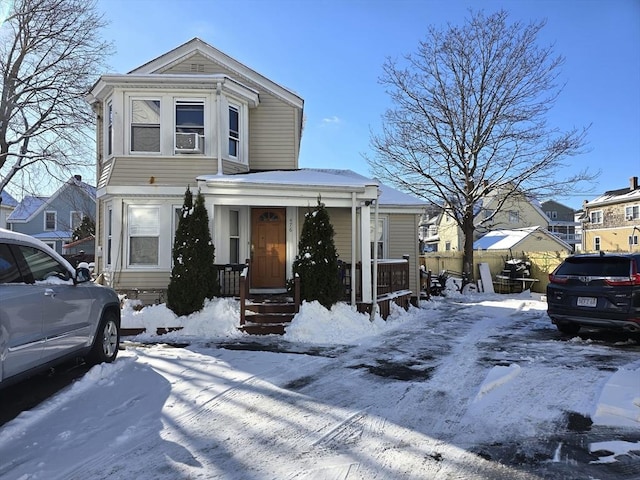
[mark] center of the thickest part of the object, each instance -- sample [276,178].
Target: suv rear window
[596,266]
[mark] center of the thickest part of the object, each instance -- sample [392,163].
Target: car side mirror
[83,275]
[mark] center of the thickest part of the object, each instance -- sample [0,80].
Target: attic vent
[197,67]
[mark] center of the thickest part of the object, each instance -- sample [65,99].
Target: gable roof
[30,206]
[197,46]
[6,200]
[620,195]
[506,239]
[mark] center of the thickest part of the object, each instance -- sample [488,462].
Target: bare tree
[468,119]
[50,54]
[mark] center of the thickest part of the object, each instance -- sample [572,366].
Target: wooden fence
[542,263]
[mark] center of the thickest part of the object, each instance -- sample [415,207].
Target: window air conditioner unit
[188,142]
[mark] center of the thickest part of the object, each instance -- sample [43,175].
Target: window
[382,236]
[595,217]
[76,219]
[234,236]
[145,125]
[109,129]
[144,232]
[109,234]
[189,126]
[51,245]
[42,266]
[9,272]
[596,244]
[552,214]
[633,240]
[234,131]
[50,220]
[632,212]
[447,246]
[514,216]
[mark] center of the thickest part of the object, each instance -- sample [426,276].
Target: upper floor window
[109,128]
[189,126]
[50,220]
[632,212]
[234,131]
[514,216]
[76,219]
[596,216]
[552,214]
[145,125]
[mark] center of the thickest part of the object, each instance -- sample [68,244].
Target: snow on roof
[319,178]
[54,235]
[503,239]
[27,207]
[620,195]
[7,200]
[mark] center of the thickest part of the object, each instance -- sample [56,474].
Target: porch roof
[314,181]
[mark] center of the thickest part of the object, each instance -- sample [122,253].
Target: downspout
[374,294]
[219,122]
[354,234]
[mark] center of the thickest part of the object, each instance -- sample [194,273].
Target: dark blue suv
[596,290]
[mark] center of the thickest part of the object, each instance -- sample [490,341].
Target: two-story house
[562,223]
[612,220]
[53,219]
[516,212]
[7,205]
[196,117]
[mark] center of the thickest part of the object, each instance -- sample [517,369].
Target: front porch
[262,313]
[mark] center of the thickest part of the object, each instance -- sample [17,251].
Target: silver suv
[49,311]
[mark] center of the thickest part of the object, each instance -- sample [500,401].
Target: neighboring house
[529,239]
[196,117]
[612,220]
[53,219]
[428,230]
[7,205]
[563,223]
[517,212]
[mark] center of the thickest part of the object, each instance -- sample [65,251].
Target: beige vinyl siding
[177,171]
[142,280]
[341,221]
[403,240]
[272,137]
[198,65]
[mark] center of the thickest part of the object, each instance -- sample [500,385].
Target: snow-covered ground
[478,386]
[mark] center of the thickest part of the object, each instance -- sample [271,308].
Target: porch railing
[229,278]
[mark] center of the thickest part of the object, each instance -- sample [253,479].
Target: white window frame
[80,215]
[237,138]
[514,216]
[109,237]
[145,231]
[132,124]
[597,244]
[109,132]
[234,237]
[51,245]
[383,236]
[55,220]
[632,212]
[202,137]
[633,240]
[596,217]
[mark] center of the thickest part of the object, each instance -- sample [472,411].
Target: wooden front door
[268,248]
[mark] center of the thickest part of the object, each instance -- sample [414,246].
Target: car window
[44,268]
[596,267]
[9,272]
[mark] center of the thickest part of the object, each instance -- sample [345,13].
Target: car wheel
[568,328]
[107,341]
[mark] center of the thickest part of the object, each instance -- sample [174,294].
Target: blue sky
[331,53]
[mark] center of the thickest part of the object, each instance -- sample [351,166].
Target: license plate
[587,301]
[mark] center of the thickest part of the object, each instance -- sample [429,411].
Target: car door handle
[49,292]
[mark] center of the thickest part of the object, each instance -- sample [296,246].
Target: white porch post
[365,252]
[354,239]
